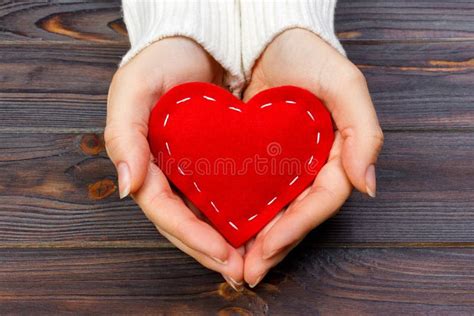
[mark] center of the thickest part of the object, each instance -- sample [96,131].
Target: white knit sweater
[234,32]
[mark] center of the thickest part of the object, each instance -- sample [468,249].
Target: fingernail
[124,179]
[234,284]
[258,281]
[370,181]
[238,283]
[219,260]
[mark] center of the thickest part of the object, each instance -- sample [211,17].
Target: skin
[299,57]
[295,57]
[134,90]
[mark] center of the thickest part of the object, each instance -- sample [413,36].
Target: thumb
[359,155]
[356,119]
[128,149]
[128,111]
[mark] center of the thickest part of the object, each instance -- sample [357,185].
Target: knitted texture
[234,33]
[263,20]
[214,24]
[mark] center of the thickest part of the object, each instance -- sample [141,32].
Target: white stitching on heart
[272,200]
[233,225]
[209,98]
[317,140]
[215,207]
[252,217]
[294,180]
[235,109]
[183,100]
[196,186]
[238,110]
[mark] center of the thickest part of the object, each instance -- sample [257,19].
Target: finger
[194,209]
[250,244]
[255,268]
[128,111]
[232,271]
[168,212]
[355,117]
[328,192]
[241,250]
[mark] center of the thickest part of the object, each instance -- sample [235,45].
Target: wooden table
[69,245]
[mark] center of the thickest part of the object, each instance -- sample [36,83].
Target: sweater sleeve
[214,24]
[263,20]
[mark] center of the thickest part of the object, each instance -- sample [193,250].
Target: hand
[134,90]
[299,57]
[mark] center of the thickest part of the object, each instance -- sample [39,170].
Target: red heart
[240,163]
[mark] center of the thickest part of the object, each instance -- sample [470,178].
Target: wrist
[213,24]
[262,21]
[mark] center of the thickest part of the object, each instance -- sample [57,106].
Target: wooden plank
[404,20]
[418,86]
[60,188]
[55,86]
[310,281]
[98,21]
[92,21]
[63,87]
[424,193]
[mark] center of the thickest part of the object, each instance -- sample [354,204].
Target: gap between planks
[126,45]
[100,130]
[51,130]
[167,245]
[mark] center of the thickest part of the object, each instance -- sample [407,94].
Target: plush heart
[240,163]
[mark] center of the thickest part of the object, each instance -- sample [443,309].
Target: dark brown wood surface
[313,281]
[69,245]
[62,189]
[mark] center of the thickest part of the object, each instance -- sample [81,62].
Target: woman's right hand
[134,90]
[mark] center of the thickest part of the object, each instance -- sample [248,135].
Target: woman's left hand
[299,57]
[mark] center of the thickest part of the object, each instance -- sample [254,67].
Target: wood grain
[93,21]
[417,86]
[63,87]
[61,188]
[310,281]
[55,87]
[362,20]
[405,20]
[68,245]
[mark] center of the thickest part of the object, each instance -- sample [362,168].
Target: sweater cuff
[215,25]
[263,20]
